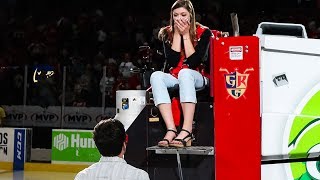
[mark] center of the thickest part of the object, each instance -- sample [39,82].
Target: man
[2,116]
[110,139]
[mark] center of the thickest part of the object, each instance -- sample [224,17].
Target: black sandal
[183,141]
[168,142]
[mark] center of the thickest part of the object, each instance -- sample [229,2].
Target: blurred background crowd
[89,47]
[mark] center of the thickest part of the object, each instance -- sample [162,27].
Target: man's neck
[121,155]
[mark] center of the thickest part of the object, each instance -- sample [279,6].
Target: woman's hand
[176,29]
[182,25]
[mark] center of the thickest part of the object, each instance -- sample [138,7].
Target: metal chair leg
[179,165]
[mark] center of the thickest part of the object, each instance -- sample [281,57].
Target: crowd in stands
[98,40]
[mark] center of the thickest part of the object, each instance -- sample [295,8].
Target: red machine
[237,134]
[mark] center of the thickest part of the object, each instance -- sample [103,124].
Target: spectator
[106,83]
[81,100]
[2,116]
[110,139]
[86,79]
[126,65]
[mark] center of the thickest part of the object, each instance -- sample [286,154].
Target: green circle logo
[302,137]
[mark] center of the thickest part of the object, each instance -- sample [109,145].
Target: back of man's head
[109,136]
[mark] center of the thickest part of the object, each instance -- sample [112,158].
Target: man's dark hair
[109,136]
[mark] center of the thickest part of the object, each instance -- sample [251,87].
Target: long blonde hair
[166,33]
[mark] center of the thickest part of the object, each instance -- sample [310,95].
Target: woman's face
[181,13]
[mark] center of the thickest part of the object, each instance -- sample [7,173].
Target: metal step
[192,150]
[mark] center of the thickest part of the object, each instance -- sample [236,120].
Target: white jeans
[189,80]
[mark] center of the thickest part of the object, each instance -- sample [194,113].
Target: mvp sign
[74,147]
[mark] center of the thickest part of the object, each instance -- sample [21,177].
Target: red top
[175,71]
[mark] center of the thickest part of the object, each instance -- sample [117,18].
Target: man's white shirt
[112,168]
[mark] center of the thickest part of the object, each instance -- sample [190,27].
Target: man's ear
[124,146]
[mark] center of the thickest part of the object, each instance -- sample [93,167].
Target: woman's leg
[189,81]
[160,82]
[166,113]
[188,110]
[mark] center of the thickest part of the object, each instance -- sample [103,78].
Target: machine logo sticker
[125,103]
[302,137]
[61,142]
[236,83]
[236,52]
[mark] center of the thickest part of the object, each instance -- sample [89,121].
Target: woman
[186,44]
